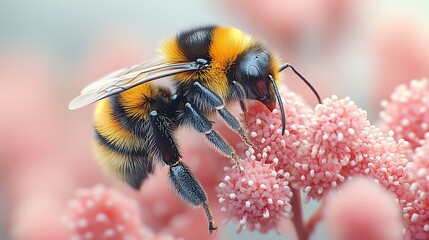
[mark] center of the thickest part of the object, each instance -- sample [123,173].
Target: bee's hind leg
[181,177]
[190,189]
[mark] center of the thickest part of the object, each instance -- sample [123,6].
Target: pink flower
[406,113]
[100,213]
[400,51]
[362,209]
[258,197]
[333,142]
[384,159]
[416,206]
[289,25]
[416,217]
[420,159]
[336,128]
[264,129]
[37,218]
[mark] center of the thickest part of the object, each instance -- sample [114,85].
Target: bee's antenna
[286,65]
[279,100]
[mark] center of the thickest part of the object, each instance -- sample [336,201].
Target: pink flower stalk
[101,213]
[362,209]
[258,197]
[406,113]
[264,128]
[334,139]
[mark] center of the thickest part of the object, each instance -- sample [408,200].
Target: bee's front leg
[218,104]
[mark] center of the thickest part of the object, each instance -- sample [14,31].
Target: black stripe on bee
[121,150]
[134,126]
[196,43]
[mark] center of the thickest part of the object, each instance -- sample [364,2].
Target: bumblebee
[209,67]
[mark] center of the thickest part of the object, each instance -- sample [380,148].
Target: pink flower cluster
[334,138]
[420,159]
[100,213]
[320,152]
[410,103]
[323,148]
[264,128]
[258,198]
[407,112]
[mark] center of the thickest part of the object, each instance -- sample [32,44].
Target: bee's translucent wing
[124,72]
[127,78]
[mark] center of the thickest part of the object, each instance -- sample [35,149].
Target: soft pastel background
[50,49]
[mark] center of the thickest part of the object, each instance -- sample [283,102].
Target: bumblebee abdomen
[111,131]
[122,134]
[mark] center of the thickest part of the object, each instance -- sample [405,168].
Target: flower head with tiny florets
[334,139]
[406,112]
[101,213]
[258,197]
[265,130]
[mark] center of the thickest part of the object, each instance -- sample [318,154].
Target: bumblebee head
[253,74]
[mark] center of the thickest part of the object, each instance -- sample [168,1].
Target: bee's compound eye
[253,72]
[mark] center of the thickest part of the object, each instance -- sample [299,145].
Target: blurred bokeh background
[50,49]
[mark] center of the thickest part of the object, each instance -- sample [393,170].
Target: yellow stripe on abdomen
[110,129]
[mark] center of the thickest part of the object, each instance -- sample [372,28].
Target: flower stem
[297,217]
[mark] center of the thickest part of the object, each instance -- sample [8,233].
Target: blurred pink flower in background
[101,213]
[31,150]
[407,112]
[362,209]
[401,53]
[43,161]
[292,24]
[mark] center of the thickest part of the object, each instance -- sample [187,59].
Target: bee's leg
[203,125]
[188,187]
[241,95]
[184,182]
[231,120]
[164,141]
